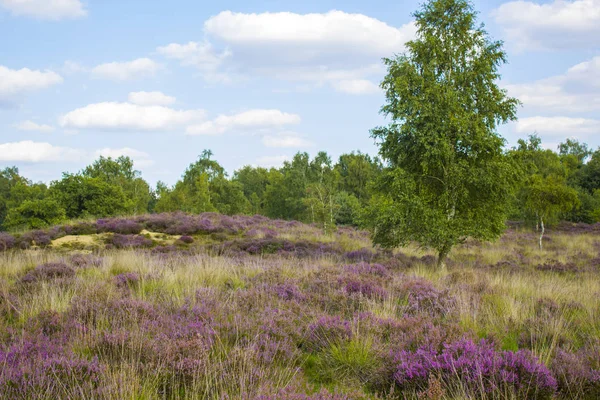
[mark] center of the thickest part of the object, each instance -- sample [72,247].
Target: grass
[190,323]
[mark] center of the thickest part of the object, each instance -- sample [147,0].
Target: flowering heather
[38,238]
[130,241]
[363,286]
[40,368]
[368,270]
[423,297]
[81,228]
[47,272]
[478,368]
[7,241]
[360,255]
[186,239]
[127,279]
[271,309]
[578,374]
[118,225]
[288,291]
[85,260]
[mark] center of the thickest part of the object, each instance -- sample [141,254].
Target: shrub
[423,297]
[47,272]
[186,239]
[118,225]
[363,254]
[127,279]
[85,260]
[7,241]
[477,368]
[578,374]
[130,241]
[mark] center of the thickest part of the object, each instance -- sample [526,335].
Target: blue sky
[255,81]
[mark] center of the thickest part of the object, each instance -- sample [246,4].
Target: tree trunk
[541,233]
[442,255]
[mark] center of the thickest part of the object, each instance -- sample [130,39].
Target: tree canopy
[447,176]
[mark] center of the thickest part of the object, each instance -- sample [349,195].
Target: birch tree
[448,177]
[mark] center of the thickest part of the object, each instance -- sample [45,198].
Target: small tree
[448,177]
[547,197]
[35,214]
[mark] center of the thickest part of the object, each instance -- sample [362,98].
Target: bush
[47,272]
[130,241]
[476,368]
[7,241]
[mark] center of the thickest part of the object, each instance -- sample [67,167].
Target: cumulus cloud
[286,140]
[113,116]
[123,71]
[16,83]
[31,126]
[271,161]
[559,126]
[140,158]
[558,24]
[577,90]
[30,151]
[151,99]
[200,55]
[337,49]
[306,37]
[251,119]
[45,9]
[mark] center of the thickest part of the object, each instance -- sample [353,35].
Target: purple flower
[50,271]
[7,241]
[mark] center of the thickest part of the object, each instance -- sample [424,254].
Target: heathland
[186,306]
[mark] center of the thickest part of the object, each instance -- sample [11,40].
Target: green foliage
[448,177]
[83,197]
[348,209]
[120,172]
[548,196]
[356,171]
[545,194]
[35,214]
[204,187]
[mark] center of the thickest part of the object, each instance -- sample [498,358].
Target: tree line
[552,185]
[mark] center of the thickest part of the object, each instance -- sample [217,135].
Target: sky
[255,81]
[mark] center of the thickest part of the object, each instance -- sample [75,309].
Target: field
[178,306]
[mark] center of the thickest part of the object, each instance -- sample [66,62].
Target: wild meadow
[208,306]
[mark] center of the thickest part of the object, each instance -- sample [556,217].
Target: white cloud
[46,9]
[123,71]
[271,161]
[252,119]
[302,37]
[286,140]
[29,151]
[15,83]
[31,126]
[337,49]
[356,86]
[113,116]
[577,90]
[200,55]
[151,99]
[558,126]
[140,158]
[559,24]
